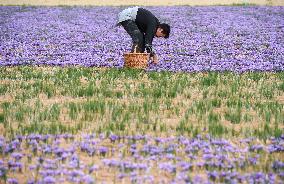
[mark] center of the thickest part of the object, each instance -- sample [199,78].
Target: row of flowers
[142,159]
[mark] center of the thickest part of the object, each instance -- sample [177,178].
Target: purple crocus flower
[253,160]
[185,166]
[277,165]
[12,181]
[93,168]
[103,150]
[47,149]
[213,175]
[58,151]
[87,179]
[256,148]
[122,175]
[17,156]
[281,175]
[68,136]
[3,171]
[169,167]
[49,180]
[15,165]
[276,147]
[102,136]
[208,156]
[113,137]
[31,181]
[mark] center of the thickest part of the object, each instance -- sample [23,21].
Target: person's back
[144,18]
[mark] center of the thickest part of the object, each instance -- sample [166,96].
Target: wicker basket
[136,60]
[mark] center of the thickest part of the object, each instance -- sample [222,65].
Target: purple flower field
[218,38]
[94,158]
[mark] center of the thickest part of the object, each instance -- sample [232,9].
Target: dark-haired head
[163,30]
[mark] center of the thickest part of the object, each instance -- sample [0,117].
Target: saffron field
[211,110]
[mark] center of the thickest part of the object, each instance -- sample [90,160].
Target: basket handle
[135,49]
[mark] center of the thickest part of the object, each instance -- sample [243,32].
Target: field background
[140,2]
[112,125]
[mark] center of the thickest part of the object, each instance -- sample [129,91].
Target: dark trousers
[136,35]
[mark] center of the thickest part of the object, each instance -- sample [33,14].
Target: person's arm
[155,59]
[149,35]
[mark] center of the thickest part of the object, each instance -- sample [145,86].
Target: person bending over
[142,26]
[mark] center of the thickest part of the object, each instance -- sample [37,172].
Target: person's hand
[154,59]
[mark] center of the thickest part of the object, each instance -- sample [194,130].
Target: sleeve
[149,49]
[149,35]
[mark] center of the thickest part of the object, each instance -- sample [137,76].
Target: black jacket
[147,24]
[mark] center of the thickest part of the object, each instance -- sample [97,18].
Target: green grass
[74,99]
